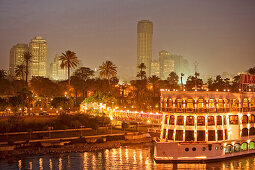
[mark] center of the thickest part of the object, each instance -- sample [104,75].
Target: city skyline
[225,32]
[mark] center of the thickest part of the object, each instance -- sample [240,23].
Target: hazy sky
[219,34]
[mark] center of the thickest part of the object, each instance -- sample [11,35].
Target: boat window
[251,145]
[203,148]
[210,120]
[179,104]
[220,105]
[211,135]
[226,134]
[220,134]
[211,104]
[252,119]
[190,120]
[166,119]
[235,105]
[180,120]
[179,135]
[252,131]
[233,119]
[170,134]
[186,149]
[237,147]
[224,120]
[245,103]
[189,135]
[200,120]
[244,132]
[201,105]
[171,120]
[219,120]
[200,135]
[190,105]
[244,119]
[194,149]
[229,149]
[244,146]
[164,134]
[170,103]
[252,104]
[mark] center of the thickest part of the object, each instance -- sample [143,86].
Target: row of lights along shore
[225,90]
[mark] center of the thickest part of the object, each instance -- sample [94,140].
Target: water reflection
[130,157]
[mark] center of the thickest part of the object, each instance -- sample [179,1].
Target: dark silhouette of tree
[194,82]
[251,70]
[141,74]
[2,74]
[235,84]
[20,71]
[80,79]
[154,80]
[70,61]
[27,60]
[173,79]
[107,70]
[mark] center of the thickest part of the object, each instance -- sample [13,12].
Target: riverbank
[79,147]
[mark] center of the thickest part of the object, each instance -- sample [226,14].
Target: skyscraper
[155,68]
[56,72]
[166,64]
[16,56]
[38,49]
[181,65]
[144,44]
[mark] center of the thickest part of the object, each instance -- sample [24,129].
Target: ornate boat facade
[205,126]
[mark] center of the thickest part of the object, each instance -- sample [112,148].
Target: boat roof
[165,93]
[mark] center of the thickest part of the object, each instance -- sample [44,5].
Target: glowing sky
[219,34]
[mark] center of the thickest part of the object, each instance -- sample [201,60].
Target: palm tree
[27,59]
[69,60]
[141,73]
[2,74]
[107,70]
[20,70]
[182,74]
[154,80]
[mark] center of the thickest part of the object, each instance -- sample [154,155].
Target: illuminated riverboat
[200,126]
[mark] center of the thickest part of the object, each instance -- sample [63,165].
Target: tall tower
[166,64]
[144,44]
[38,49]
[16,56]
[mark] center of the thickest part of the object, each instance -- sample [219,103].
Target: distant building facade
[155,68]
[38,49]
[166,64]
[181,65]
[17,57]
[144,44]
[56,72]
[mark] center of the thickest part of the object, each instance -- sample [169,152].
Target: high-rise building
[144,44]
[181,65]
[155,68]
[166,64]
[56,72]
[16,57]
[38,49]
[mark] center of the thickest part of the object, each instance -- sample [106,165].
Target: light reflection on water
[126,157]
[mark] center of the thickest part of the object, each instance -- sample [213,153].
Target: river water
[125,157]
